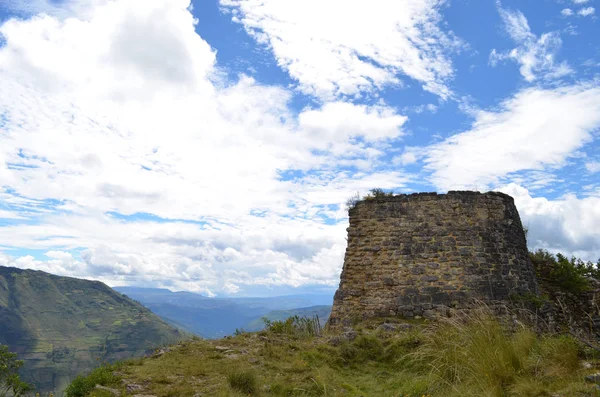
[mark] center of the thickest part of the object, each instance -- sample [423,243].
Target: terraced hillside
[64,326]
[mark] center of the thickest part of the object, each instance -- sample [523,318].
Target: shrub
[352,201]
[83,385]
[373,194]
[295,326]
[369,347]
[243,381]
[378,193]
[570,275]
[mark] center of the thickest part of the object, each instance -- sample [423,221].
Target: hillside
[64,326]
[216,317]
[456,357]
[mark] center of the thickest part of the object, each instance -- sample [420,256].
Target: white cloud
[268,250]
[410,156]
[568,224]
[10,215]
[584,12]
[126,111]
[567,12]
[536,55]
[580,1]
[593,166]
[231,288]
[533,130]
[61,9]
[347,48]
[336,124]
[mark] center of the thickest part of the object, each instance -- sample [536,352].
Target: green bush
[243,381]
[571,275]
[369,347]
[295,326]
[83,385]
[378,193]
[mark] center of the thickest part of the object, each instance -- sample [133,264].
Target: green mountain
[62,326]
[322,312]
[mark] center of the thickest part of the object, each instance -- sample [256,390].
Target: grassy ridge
[63,326]
[473,357]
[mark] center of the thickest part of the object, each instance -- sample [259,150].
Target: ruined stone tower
[416,254]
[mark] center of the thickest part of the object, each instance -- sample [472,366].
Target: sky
[211,146]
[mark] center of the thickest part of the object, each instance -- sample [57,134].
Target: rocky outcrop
[415,255]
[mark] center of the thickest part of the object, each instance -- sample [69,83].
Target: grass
[82,386]
[243,381]
[474,356]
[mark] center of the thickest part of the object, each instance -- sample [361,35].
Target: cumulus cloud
[567,12]
[568,224]
[369,46]
[127,156]
[254,251]
[335,125]
[536,55]
[535,129]
[584,12]
[123,114]
[593,166]
[405,158]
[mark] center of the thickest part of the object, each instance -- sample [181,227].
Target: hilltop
[64,326]
[475,355]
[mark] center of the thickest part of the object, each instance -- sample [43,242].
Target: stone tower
[416,254]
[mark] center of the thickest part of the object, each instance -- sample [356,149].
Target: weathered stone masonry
[418,254]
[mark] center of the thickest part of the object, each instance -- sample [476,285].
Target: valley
[217,317]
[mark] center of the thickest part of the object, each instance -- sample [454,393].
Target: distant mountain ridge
[217,317]
[64,326]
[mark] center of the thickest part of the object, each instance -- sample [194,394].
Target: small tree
[10,383]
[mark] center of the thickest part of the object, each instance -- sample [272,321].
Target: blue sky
[210,146]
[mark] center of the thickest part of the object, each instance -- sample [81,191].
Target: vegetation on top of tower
[373,194]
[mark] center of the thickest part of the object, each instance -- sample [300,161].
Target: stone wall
[415,255]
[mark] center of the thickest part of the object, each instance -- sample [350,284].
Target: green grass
[243,381]
[474,356]
[84,385]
